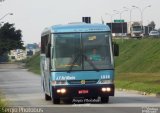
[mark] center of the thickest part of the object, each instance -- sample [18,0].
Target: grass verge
[138,66]
[144,82]
[2,106]
[33,63]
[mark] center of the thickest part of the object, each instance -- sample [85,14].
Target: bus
[77,61]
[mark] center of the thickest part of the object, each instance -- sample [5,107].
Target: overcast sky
[32,16]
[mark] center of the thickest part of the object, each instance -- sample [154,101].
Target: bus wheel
[47,97]
[56,101]
[105,99]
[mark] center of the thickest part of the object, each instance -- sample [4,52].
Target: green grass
[145,82]
[139,56]
[138,66]
[2,106]
[33,63]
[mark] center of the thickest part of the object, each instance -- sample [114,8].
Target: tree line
[10,38]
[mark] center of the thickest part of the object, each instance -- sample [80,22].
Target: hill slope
[139,56]
[138,66]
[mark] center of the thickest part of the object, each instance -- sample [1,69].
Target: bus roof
[77,27]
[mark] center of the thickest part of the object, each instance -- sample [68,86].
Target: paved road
[23,89]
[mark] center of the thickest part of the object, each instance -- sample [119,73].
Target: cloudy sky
[32,16]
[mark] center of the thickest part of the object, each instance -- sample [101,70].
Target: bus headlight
[62,91]
[105,81]
[61,82]
[106,89]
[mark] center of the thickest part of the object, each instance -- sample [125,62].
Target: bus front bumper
[86,91]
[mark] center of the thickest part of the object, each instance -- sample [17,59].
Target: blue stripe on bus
[83,75]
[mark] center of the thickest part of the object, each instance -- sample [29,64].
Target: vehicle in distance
[135,30]
[154,33]
[77,61]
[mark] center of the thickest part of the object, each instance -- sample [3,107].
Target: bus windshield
[81,51]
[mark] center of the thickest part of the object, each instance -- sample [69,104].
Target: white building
[16,55]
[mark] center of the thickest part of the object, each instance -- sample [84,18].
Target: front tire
[47,97]
[56,100]
[105,99]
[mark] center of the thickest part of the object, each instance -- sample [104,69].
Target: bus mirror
[48,52]
[116,49]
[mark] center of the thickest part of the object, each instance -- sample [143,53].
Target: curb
[140,92]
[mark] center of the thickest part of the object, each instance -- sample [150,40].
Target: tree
[152,24]
[10,38]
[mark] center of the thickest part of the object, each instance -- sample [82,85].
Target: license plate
[83,92]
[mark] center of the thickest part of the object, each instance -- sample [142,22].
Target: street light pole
[142,11]
[6,15]
[130,13]
[111,15]
[120,13]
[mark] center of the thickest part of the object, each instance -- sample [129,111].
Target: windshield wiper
[74,61]
[90,62]
[86,58]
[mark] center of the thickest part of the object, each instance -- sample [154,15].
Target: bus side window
[45,45]
[116,49]
[42,44]
[48,46]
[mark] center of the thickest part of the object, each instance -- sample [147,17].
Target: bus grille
[80,81]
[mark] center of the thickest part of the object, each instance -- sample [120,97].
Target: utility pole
[141,12]
[111,15]
[120,14]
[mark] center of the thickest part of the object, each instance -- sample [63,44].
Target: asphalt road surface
[22,90]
